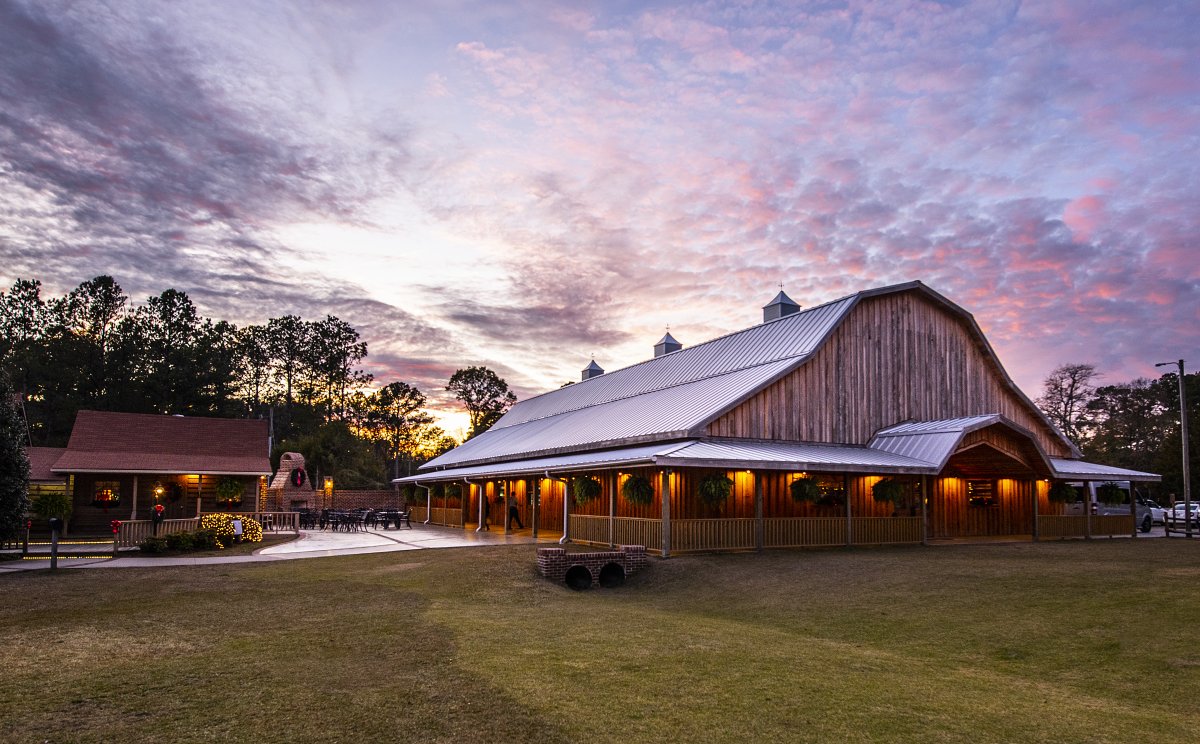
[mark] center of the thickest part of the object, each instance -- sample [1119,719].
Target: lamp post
[1183,430]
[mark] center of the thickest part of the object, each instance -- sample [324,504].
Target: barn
[878,418]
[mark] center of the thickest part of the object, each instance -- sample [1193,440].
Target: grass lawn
[1055,642]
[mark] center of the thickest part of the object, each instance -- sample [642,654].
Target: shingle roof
[40,461]
[107,442]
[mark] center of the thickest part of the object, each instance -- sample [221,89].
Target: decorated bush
[221,525]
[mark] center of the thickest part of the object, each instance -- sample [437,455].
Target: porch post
[758,512]
[665,497]
[849,516]
[533,487]
[1133,511]
[1036,530]
[1087,510]
[613,479]
[482,496]
[506,505]
[199,493]
[924,510]
[133,514]
[566,536]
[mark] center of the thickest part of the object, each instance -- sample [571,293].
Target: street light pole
[1183,430]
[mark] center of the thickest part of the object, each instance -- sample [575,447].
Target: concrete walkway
[310,544]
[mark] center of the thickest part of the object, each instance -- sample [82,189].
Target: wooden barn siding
[1005,441]
[951,516]
[894,358]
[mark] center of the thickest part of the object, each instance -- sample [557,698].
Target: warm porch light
[159,490]
[328,486]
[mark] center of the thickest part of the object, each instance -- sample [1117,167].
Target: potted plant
[714,489]
[1062,492]
[805,489]
[586,489]
[1110,493]
[229,492]
[637,489]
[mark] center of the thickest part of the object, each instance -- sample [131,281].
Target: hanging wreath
[175,492]
[638,489]
[805,489]
[715,489]
[1063,493]
[229,491]
[586,489]
[297,477]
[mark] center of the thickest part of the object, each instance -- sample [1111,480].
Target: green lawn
[1056,642]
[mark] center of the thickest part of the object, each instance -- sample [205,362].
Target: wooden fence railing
[631,531]
[451,517]
[416,513]
[803,532]
[712,534]
[135,531]
[1076,526]
[588,529]
[277,521]
[885,530]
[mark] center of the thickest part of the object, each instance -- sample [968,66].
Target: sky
[528,185]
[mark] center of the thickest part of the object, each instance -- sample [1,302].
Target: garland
[638,490]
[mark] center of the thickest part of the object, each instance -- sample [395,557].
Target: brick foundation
[553,563]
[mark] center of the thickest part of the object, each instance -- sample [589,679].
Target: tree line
[1133,425]
[92,348]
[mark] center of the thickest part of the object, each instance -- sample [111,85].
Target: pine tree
[14,466]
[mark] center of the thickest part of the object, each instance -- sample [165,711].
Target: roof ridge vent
[779,307]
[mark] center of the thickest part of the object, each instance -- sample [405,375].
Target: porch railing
[277,521]
[886,530]
[712,534]
[1108,525]
[802,532]
[135,531]
[625,531]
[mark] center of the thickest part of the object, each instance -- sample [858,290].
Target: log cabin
[878,418]
[119,465]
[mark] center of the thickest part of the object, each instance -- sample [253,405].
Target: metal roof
[929,441]
[670,413]
[791,337]
[1080,470]
[733,455]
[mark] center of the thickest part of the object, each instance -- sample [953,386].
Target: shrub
[221,525]
[204,540]
[805,488]
[586,489]
[638,489]
[153,545]
[714,489]
[181,541]
[54,504]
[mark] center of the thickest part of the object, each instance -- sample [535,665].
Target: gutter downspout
[428,498]
[566,508]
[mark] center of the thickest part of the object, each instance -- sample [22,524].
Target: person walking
[514,515]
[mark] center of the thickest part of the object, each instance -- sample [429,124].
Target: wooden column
[1133,510]
[758,512]
[133,514]
[665,496]
[924,510]
[613,479]
[533,488]
[1090,489]
[849,516]
[199,493]
[506,504]
[1036,530]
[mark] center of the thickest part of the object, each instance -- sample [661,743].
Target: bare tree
[1065,395]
